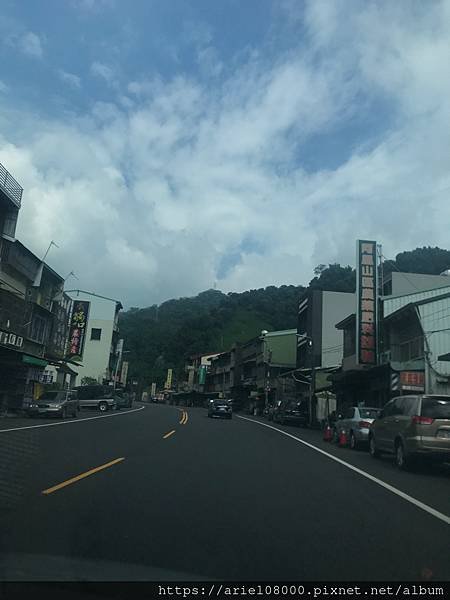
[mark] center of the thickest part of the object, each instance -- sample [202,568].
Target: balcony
[10,187]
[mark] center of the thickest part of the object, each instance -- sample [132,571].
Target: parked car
[57,403]
[412,426]
[96,396]
[271,408]
[220,408]
[291,411]
[356,422]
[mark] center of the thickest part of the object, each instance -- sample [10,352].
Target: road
[227,500]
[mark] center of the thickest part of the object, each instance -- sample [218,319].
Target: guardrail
[10,186]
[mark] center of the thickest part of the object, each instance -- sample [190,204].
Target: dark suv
[291,411]
[412,426]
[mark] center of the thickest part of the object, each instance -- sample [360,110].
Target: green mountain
[162,337]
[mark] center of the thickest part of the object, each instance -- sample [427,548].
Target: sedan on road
[220,408]
[291,411]
[56,403]
[355,422]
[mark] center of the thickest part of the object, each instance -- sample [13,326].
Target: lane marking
[74,421]
[182,417]
[186,418]
[168,434]
[64,484]
[387,486]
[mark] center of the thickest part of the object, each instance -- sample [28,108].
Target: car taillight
[422,420]
[364,424]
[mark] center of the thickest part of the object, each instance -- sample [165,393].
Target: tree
[334,278]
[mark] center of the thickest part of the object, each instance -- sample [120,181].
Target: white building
[101,336]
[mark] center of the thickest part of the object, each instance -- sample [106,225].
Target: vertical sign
[153,391]
[169,379]
[78,326]
[124,373]
[366,298]
[202,375]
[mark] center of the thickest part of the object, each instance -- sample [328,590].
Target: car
[412,426]
[291,411]
[96,396]
[220,408]
[59,403]
[355,422]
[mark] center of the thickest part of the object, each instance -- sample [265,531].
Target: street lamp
[312,384]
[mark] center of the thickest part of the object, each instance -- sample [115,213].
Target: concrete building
[318,313]
[101,337]
[400,284]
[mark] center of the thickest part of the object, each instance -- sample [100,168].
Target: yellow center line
[169,434]
[182,418]
[55,488]
[186,417]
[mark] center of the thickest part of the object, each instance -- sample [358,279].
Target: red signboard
[78,326]
[366,297]
[412,380]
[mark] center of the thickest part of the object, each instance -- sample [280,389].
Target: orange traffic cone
[327,434]
[342,438]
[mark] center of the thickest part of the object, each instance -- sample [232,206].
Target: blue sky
[168,146]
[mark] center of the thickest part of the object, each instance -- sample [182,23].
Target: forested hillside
[164,336]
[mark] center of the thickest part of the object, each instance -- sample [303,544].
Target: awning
[444,357]
[33,360]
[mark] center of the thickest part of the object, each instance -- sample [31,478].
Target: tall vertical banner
[169,379]
[78,327]
[124,373]
[366,298]
[153,391]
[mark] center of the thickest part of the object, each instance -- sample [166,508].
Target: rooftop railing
[10,186]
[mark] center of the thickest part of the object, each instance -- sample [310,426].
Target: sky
[168,147]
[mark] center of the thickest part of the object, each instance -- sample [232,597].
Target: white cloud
[4,89]
[71,79]
[103,72]
[146,193]
[31,45]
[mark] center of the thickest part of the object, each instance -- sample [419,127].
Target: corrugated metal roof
[435,318]
[390,305]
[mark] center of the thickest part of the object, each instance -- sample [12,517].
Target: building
[413,335]
[257,365]
[318,313]
[400,284]
[197,369]
[94,336]
[34,314]
[416,336]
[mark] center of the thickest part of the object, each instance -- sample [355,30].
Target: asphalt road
[215,499]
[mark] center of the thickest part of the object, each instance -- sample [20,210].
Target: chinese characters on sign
[366,313]
[78,325]
[11,339]
[412,380]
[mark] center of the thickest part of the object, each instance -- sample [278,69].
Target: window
[96,334]
[349,413]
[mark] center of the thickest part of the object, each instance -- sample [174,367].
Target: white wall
[409,283]
[335,307]
[96,352]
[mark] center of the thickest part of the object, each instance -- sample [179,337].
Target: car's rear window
[436,408]
[368,413]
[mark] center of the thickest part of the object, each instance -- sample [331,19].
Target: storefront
[20,378]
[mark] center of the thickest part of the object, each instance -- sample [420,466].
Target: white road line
[73,422]
[418,503]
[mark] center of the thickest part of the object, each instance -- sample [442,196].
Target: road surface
[162,492]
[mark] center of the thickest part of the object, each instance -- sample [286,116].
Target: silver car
[412,427]
[97,396]
[356,422]
[57,403]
